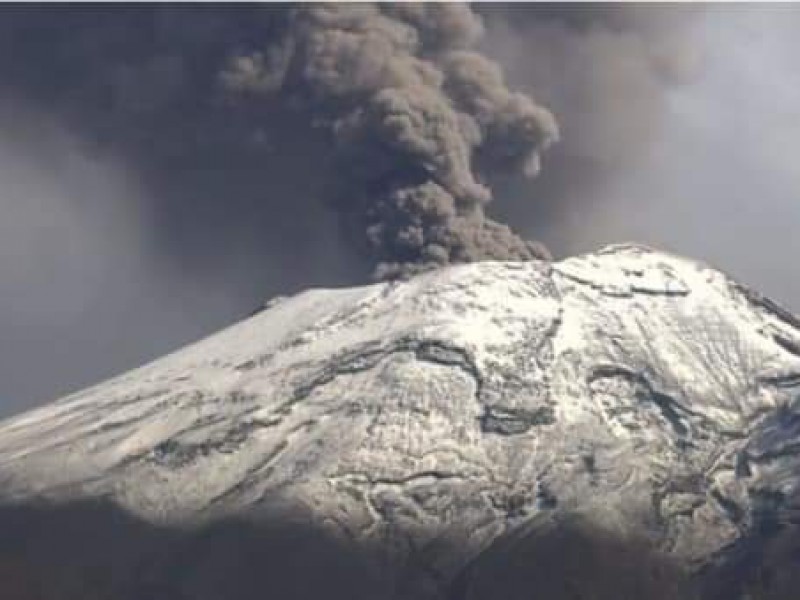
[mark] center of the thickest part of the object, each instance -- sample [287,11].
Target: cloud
[676,127]
[409,104]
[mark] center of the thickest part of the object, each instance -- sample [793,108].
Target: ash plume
[263,150]
[410,107]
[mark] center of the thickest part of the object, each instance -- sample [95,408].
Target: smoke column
[410,106]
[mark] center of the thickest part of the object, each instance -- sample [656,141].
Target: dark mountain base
[94,551]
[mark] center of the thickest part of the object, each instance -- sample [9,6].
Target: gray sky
[138,215]
[703,166]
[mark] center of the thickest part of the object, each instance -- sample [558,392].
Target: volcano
[496,429]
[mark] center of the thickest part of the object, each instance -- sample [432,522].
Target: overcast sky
[140,212]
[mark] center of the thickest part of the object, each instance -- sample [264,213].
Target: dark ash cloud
[398,105]
[409,105]
[207,158]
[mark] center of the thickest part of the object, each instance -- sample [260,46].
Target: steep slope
[650,395]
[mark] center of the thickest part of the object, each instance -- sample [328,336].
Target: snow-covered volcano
[651,395]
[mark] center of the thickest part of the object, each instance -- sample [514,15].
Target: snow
[484,382]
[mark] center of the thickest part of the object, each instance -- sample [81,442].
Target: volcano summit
[436,424]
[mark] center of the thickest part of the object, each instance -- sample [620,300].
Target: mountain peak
[646,392]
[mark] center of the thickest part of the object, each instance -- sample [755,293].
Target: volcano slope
[623,424]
